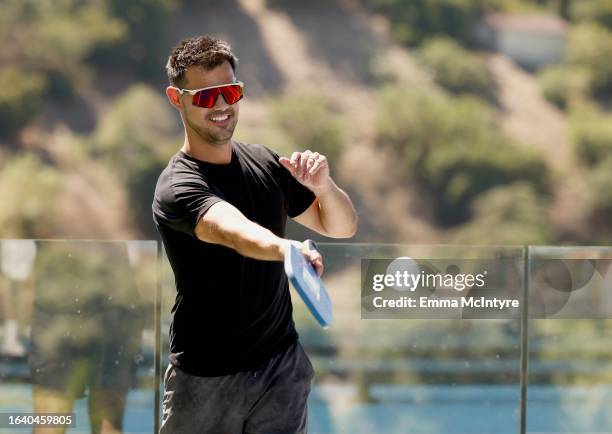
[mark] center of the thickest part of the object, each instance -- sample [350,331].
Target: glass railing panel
[570,340]
[411,375]
[78,332]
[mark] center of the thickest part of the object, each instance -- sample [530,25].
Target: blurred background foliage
[413,22]
[309,118]
[142,49]
[136,143]
[453,149]
[21,96]
[96,67]
[457,69]
[592,134]
[29,189]
[52,40]
[593,58]
[502,212]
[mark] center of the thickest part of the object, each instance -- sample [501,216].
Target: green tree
[563,85]
[21,95]
[509,214]
[591,132]
[453,148]
[600,179]
[592,10]
[144,46]
[457,69]
[310,121]
[29,189]
[414,21]
[46,43]
[136,137]
[55,37]
[590,48]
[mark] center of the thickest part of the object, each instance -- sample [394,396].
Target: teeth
[219,118]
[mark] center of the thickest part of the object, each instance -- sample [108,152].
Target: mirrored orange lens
[232,93]
[206,98]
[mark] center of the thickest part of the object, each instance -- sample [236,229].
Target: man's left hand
[311,169]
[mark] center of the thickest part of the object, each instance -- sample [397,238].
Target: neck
[199,149]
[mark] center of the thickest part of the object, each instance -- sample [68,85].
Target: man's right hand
[313,256]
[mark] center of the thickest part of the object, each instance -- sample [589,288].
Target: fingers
[295,159]
[297,163]
[304,165]
[286,163]
[317,263]
[312,158]
[319,163]
[314,257]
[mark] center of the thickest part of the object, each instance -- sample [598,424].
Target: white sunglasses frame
[194,91]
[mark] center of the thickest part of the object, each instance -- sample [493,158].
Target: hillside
[332,77]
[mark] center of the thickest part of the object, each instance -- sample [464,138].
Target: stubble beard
[211,137]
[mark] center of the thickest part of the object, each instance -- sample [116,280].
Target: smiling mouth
[219,118]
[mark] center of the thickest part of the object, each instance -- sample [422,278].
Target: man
[221,206]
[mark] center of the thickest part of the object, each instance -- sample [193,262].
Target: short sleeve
[300,197]
[183,203]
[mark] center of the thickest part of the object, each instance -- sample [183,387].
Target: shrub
[590,48]
[592,10]
[453,148]
[599,202]
[134,126]
[456,69]
[20,98]
[563,84]
[510,214]
[135,137]
[143,47]
[414,21]
[310,121]
[55,38]
[600,179]
[591,132]
[526,6]
[29,190]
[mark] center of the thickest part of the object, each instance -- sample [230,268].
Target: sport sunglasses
[207,96]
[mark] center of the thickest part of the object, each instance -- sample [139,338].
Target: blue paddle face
[304,279]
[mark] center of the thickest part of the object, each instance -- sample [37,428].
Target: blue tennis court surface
[398,410]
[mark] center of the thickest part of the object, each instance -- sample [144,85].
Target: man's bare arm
[224,224]
[332,213]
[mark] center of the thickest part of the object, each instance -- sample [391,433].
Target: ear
[174,97]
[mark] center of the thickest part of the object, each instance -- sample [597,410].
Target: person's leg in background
[11,346]
[16,263]
[51,401]
[114,370]
[106,409]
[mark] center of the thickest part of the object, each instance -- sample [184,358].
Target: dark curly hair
[205,51]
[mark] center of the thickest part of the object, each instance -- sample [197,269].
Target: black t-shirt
[231,312]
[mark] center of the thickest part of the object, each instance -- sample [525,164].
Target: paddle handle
[312,245]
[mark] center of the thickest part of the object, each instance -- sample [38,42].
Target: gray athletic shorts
[270,399]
